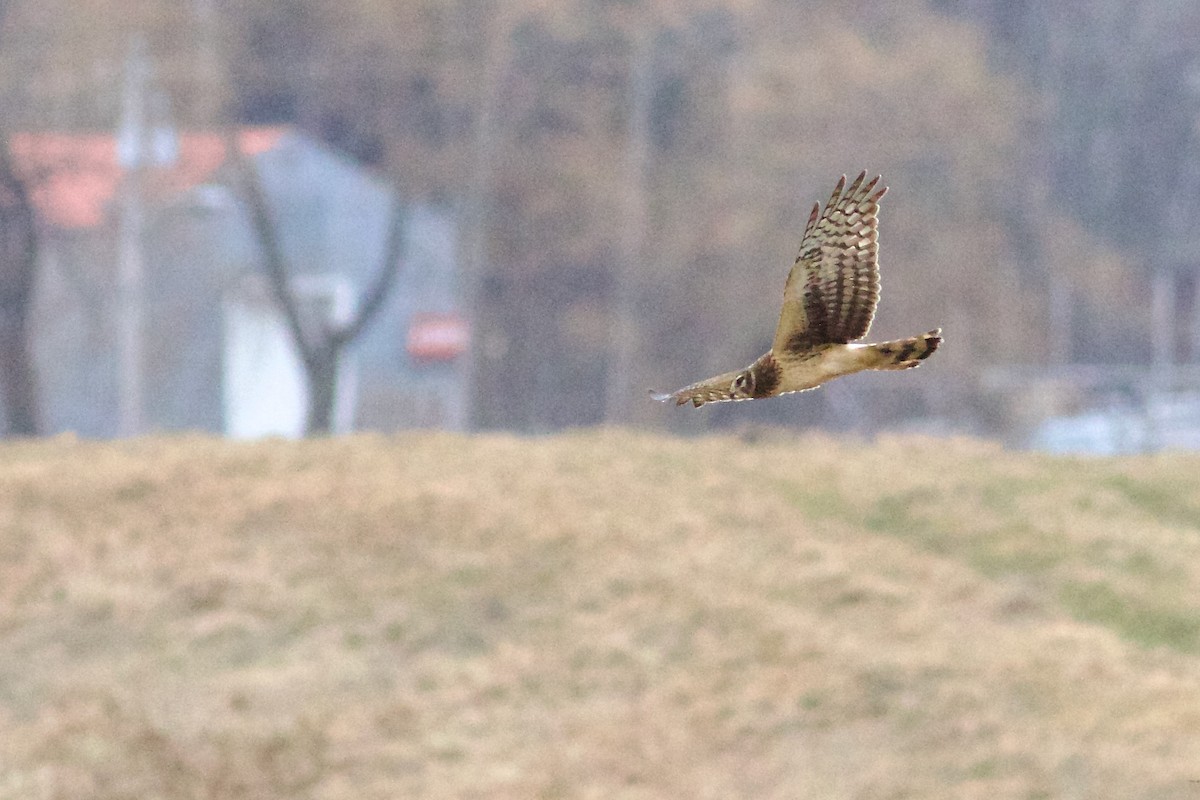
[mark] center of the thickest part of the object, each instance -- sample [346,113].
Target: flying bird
[828,302]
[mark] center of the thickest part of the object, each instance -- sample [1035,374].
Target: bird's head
[743,385]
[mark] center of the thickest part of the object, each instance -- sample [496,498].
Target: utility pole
[1062,309]
[1163,324]
[144,138]
[211,106]
[625,328]
[478,199]
[131,155]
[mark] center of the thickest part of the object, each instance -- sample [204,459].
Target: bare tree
[319,343]
[18,272]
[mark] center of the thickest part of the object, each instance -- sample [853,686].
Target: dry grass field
[596,615]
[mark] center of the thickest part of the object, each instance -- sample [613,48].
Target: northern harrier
[828,302]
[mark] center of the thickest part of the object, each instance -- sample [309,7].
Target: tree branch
[385,277]
[249,185]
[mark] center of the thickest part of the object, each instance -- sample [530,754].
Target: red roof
[73,177]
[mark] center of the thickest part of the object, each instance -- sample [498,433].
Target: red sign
[437,337]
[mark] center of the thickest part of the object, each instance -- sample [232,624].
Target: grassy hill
[601,614]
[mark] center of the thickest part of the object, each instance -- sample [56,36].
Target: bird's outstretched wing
[833,288]
[716,389]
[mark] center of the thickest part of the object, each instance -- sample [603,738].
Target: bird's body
[828,302]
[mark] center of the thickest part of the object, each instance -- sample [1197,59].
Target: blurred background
[291,216]
[276,218]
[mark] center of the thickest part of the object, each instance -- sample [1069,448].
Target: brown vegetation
[602,614]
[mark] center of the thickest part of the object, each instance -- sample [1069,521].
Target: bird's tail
[905,353]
